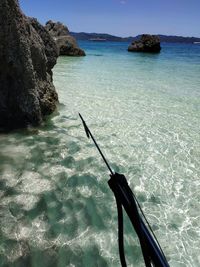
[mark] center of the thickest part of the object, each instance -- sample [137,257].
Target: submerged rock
[147,43]
[27,56]
[66,44]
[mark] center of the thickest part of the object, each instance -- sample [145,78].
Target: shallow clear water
[56,208]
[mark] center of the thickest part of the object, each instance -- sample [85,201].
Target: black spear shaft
[151,249]
[89,134]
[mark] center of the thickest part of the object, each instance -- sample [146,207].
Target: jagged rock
[66,44]
[51,49]
[27,55]
[147,43]
[56,28]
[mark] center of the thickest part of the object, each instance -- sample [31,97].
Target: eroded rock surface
[147,43]
[27,56]
[56,28]
[66,44]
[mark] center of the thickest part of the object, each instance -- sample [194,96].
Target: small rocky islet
[147,43]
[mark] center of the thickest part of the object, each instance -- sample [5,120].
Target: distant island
[83,36]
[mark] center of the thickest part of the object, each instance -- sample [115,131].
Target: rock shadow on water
[5,161]
[16,210]
[155,199]
[96,55]
[81,256]
[84,257]
[43,258]
[69,224]
[68,162]
[7,190]
[134,254]
[82,164]
[45,150]
[50,206]
[49,125]
[39,208]
[82,180]
[70,255]
[36,257]
[93,214]
[68,228]
[21,252]
[73,148]
[93,254]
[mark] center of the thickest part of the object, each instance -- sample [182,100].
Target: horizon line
[168,35]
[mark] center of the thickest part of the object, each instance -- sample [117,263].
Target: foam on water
[56,208]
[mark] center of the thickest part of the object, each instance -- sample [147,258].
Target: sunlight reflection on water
[56,208]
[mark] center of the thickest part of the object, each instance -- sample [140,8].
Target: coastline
[144,111]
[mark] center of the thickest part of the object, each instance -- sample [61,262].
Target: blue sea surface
[56,208]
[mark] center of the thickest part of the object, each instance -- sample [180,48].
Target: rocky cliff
[67,45]
[27,56]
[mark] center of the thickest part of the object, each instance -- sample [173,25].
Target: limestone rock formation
[66,44]
[147,43]
[56,28]
[51,50]
[27,56]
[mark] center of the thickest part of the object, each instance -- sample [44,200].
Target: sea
[56,208]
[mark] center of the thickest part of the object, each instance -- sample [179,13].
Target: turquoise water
[56,208]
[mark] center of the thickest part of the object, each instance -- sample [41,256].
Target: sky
[120,17]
